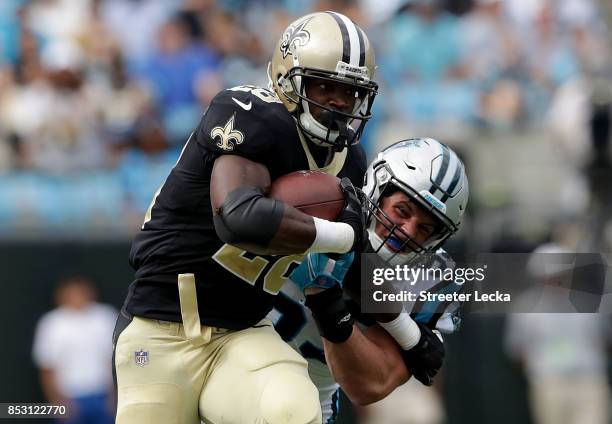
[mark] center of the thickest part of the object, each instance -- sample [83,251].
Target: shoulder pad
[444,259]
[243,120]
[252,93]
[438,260]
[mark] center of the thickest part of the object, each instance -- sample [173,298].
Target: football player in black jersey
[191,342]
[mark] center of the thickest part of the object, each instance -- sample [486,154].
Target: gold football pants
[184,373]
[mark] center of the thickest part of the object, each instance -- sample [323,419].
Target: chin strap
[316,131]
[344,139]
[336,122]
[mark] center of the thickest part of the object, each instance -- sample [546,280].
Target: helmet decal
[293,37]
[432,200]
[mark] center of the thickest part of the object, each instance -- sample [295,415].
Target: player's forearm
[322,236]
[366,371]
[368,368]
[245,217]
[295,233]
[290,232]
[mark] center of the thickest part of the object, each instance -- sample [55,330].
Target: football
[313,192]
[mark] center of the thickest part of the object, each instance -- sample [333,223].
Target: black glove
[425,359]
[353,214]
[331,314]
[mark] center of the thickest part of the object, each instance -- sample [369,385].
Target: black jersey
[235,289]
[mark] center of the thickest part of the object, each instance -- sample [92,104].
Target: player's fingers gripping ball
[322,270]
[354,213]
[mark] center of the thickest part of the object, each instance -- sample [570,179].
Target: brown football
[313,192]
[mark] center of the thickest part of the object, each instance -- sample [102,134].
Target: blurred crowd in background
[98,96]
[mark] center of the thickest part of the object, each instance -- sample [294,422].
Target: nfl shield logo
[141,357]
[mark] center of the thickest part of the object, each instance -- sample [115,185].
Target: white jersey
[443,316]
[294,322]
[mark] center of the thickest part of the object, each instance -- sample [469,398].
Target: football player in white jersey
[416,191]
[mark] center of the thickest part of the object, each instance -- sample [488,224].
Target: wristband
[332,237]
[404,330]
[334,321]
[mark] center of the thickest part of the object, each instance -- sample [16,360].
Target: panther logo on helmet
[294,37]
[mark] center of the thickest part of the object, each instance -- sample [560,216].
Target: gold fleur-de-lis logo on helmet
[293,37]
[227,135]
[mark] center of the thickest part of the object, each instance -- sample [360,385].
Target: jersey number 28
[250,267]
